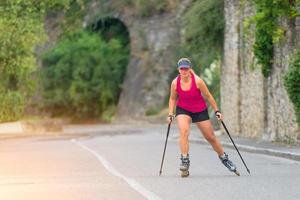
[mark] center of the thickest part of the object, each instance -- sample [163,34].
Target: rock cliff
[253,105]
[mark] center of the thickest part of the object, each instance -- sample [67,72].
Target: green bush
[292,83]
[263,49]
[82,75]
[12,106]
[212,76]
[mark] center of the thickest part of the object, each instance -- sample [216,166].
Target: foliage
[268,32]
[211,76]
[22,28]
[203,23]
[73,16]
[292,83]
[12,105]
[82,75]
[203,36]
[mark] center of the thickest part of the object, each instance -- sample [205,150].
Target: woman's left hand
[219,115]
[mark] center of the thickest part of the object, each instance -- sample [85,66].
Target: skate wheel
[237,173]
[185,174]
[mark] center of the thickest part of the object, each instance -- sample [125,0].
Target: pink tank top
[192,99]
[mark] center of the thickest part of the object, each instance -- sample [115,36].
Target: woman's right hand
[170,118]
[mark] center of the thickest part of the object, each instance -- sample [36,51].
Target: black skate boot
[184,166]
[229,164]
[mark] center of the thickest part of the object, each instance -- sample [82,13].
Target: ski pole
[163,157]
[235,146]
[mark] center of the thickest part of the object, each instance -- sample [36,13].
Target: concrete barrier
[38,126]
[11,127]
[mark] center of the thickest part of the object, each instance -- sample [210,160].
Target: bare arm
[203,88]
[173,97]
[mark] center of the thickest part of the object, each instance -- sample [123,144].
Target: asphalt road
[125,165]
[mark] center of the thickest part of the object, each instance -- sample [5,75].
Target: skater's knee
[184,138]
[211,139]
[184,135]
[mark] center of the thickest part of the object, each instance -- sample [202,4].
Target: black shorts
[196,117]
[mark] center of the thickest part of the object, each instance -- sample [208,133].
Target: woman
[186,94]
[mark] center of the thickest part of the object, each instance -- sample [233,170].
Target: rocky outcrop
[153,41]
[281,116]
[230,68]
[147,80]
[253,105]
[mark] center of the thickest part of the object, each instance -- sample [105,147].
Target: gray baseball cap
[184,63]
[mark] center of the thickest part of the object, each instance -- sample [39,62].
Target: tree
[22,28]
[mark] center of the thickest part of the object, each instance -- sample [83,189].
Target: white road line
[134,184]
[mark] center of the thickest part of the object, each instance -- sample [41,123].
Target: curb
[252,149]
[260,150]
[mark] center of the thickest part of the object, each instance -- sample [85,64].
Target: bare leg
[208,133]
[183,122]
